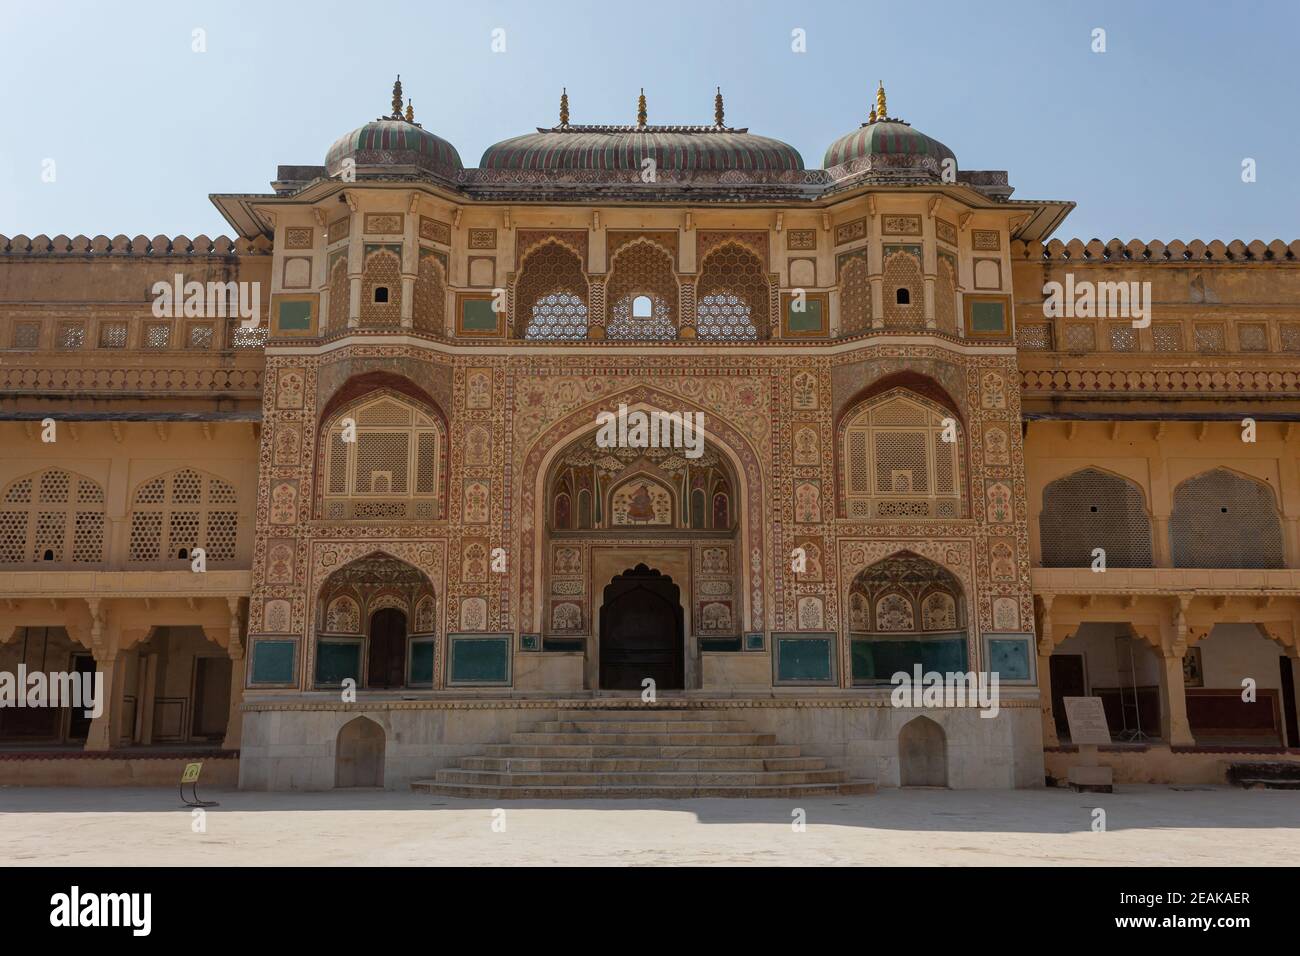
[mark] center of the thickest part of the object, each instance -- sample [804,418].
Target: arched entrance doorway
[922,754]
[641,632]
[387,649]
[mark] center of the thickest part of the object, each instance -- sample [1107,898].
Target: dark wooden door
[78,722]
[1067,681]
[1289,717]
[641,632]
[387,649]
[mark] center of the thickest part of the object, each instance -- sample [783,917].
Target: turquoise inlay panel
[1009,658]
[530,642]
[421,663]
[338,660]
[719,643]
[480,660]
[754,641]
[988,317]
[273,661]
[294,316]
[478,315]
[809,320]
[877,659]
[805,659]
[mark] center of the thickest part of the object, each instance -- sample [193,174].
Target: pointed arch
[52,518]
[1223,519]
[178,511]
[1089,509]
[732,298]
[551,293]
[640,268]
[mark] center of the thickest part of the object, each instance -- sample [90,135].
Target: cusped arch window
[902,458]
[732,296]
[174,513]
[51,519]
[1225,520]
[642,293]
[551,294]
[384,460]
[1092,509]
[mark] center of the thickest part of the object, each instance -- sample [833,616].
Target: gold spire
[881,113]
[410,112]
[564,106]
[397,98]
[872,117]
[718,113]
[640,108]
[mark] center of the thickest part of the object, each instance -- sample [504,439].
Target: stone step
[639,764]
[616,792]
[645,712]
[646,740]
[676,778]
[599,748]
[641,727]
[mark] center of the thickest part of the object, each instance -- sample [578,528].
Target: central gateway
[641,633]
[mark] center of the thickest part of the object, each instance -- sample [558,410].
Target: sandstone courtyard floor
[1145,826]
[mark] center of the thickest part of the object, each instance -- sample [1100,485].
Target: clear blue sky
[1148,137]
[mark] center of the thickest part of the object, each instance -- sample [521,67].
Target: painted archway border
[956,555]
[429,557]
[554,439]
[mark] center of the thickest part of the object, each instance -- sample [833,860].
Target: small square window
[72,335]
[381,294]
[1167,337]
[200,337]
[1210,338]
[1036,337]
[27,335]
[112,335]
[1080,338]
[1252,337]
[1290,337]
[157,335]
[1123,338]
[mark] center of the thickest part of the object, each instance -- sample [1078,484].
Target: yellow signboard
[191,774]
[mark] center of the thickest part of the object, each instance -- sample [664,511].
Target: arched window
[897,463]
[732,296]
[175,513]
[340,294]
[381,287]
[1091,509]
[52,518]
[642,293]
[551,294]
[430,312]
[1223,520]
[384,460]
[906,307]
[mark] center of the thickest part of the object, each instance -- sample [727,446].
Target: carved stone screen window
[1035,338]
[1210,338]
[732,296]
[1290,335]
[551,294]
[1080,337]
[430,295]
[175,513]
[381,288]
[855,294]
[642,272]
[157,335]
[72,335]
[1091,509]
[1252,337]
[199,336]
[1223,520]
[52,519]
[896,463]
[1123,338]
[240,337]
[112,335]
[1167,337]
[27,335]
[904,290]
[391,470]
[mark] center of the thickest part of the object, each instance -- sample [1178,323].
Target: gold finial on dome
[564,106]
[397,98]
[640,109]
[881,113]
[410,112]
[718,113]
[871,118]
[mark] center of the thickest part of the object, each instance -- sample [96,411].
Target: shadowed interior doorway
[641,632]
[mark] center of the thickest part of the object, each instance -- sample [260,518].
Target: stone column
[408,300]
[1293,655]
[1173,710]
[103,733]
[234,722]
[1046,642]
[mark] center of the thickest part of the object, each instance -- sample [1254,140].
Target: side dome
[395,140]
[887,145]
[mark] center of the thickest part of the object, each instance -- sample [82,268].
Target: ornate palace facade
[395,482]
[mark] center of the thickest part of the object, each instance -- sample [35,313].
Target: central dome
[679,150]
[394,140]
[885,144]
